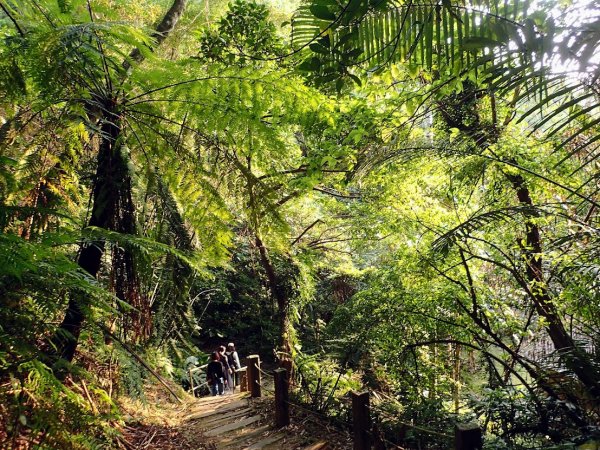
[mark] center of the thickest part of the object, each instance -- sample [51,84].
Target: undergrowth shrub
[131,376]
[423,423]
[40,411]
[323,384]
[159,359]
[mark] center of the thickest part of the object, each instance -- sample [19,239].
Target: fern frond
[444,243]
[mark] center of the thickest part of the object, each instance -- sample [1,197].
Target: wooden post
[253,375]
[378,442]
[191,380]
[468,436]
[361,421]
[244,381]
[282,407]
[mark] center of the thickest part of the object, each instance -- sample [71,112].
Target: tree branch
[12,19]
[306,230]
[335,193]
[164,28]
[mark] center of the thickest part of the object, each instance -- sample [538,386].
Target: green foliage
[424,233]
[324,385]
[237,307]
[243,34]
[356,33]
[35,279]
[37,407]
[515,47]
[132,376]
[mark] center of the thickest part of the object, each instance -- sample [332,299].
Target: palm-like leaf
[478,222]
[506,50]
[375,33]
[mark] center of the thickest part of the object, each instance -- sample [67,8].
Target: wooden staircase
[235,421]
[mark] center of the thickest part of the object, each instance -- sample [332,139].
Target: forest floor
[232,421]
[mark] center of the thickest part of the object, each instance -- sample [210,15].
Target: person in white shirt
[234,361]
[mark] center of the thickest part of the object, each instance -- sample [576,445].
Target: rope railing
[206,383]
[371,434]
[263,386]
[265,373]
[391,443]
[197,368]
[424,430]
[378,438]
[318,414]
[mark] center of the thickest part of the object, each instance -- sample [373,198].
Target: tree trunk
[456,376]
[163,29]
[277,290]
[574,357]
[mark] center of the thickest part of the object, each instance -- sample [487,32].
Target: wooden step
[217,409]
[224,409]
[266,441]
[243,437]
[321,445]
[220,399]
[232,426]
[222,419]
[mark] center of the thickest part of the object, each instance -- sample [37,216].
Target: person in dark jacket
[227,367]
[215,374]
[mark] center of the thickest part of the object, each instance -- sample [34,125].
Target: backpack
[231,360]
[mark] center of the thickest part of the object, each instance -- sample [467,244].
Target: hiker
[228,369]
[215,374]
[234,362]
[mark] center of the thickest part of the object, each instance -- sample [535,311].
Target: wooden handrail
[282,398]
[253,376]
[191,372]
[197,369]
[361,420]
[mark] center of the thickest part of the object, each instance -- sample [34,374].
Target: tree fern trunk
[163,29]
[104,209]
